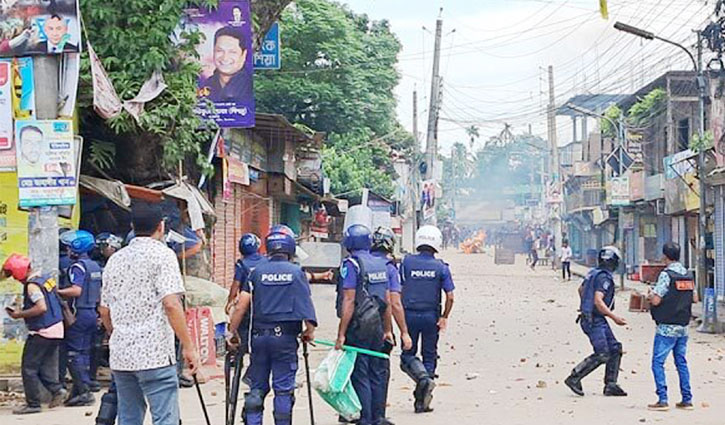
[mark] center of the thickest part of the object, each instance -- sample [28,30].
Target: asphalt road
[511,342]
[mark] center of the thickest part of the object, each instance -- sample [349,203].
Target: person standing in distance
[424,277]
[84,276]
[597,304]
[566,255]
[278,297]
[382,247]
[363,306]
[141,309]
[671,308]
[44,319]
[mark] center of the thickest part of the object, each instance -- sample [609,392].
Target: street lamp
[701,84]
[620,142]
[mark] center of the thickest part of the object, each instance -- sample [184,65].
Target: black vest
[676,305]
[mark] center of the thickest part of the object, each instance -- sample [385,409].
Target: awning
[113,190]
[197,204]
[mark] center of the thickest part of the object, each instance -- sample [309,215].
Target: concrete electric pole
[431,143]
[555,177]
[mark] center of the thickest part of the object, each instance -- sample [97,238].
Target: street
[512,340]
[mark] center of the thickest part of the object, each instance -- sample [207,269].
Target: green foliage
[499,167]
[132,39]
[614,113]
[352,162]
[647,108]
[707,142]
[102,154]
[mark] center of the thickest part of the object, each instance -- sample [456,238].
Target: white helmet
[429,236]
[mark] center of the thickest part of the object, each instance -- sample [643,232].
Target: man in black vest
[671,302]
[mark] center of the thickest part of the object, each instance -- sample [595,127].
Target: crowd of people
[133,294]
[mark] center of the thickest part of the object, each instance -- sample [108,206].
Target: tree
[132,39]
[472,132]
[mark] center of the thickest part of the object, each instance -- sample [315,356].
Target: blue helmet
[357,237]
[281,240]
[249,243]
[79,241]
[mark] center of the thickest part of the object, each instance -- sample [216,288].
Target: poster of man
[46,163]
[39,27]
[227,67]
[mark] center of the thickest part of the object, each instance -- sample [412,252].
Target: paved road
[512,340]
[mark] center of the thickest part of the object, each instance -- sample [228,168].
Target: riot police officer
[423,279]
[85,278]
[107,244]
[597,304]
[249,245]
[365,319]
[279,299]
[383,246]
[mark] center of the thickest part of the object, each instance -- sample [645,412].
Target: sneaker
[660,406]
[58,398]
[26,410]
[344,420]
[85,399]
[685,405]
[574,385]
[185,382]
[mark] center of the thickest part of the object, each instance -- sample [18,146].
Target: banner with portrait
[226,55]
[47,163]
[39,27]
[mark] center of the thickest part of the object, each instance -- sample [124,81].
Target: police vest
[586,306]
[372,279]
[422,282]
[676,306]
[280,293]
[91,295]
[53,313]
[249,263]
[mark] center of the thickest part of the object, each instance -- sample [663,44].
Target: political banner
[620,191]
[46,156]
[227,63]
[7,147]
[39,27]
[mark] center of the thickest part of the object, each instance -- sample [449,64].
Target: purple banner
[227,64]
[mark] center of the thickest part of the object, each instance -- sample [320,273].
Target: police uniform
[423,279]
[242,269]
[281,301]
[87,274]
[363,271]
[64,263]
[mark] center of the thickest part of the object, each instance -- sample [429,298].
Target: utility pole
[702,279]
[555,208]
[43,222]
[415,119]
[431,143]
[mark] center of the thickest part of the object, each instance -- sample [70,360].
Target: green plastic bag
[332,383]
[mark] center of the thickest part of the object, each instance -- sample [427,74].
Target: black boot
[610,377]
[424,384]
[583,369]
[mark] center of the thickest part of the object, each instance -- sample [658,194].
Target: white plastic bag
[326,370]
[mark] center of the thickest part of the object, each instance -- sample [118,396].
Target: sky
[494,56]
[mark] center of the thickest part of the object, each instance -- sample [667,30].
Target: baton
[201,400]
[306,356]
[355,349]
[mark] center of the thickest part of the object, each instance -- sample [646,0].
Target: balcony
[584,199]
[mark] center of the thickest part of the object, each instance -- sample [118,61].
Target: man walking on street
[566,255]
[44,319]
[141,309]
[671,308]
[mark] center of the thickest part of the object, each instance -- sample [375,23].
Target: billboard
[39,27]
[227,63]
[46,160]
[269,56]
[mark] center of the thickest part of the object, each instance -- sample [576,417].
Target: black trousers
[566,269]
[40,367]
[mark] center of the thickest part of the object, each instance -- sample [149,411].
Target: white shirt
[135,281]
[566,253]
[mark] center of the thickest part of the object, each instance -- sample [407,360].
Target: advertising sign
[23,89]
[7,148]
[620,191]
[238,171]
[428,199]
[226,60]
[269,57]
[46,161]
[39,27]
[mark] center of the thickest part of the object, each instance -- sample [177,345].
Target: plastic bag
[332,383]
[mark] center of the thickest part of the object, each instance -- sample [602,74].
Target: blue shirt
[446,279]
[77,274]
[661,289]
[393,274]
[241,273]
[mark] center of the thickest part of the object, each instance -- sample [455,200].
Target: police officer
[85,278]
[249,245]
[279,299]
[383,246]
[64,262]
[597,303]
[107,244]
[423,279]
[365,319]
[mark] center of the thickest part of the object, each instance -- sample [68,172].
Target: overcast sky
[493,65]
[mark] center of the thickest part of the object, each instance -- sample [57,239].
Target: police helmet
[357,238]
[17,266]
[80,241]
[110,240]
[429,236]
[249,243]
[383,239]
[280,240]
[608,258]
